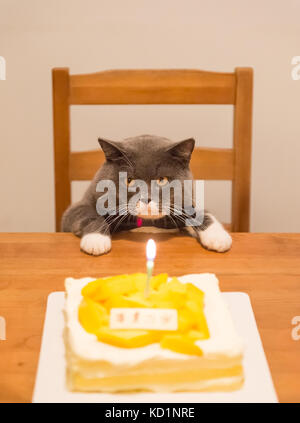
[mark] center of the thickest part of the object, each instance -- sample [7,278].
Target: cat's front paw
[215,238]
[95,244]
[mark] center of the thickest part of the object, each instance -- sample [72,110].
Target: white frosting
[223,340]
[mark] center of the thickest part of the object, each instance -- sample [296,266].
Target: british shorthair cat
[130,190]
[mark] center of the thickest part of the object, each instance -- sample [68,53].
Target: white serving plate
[50,383]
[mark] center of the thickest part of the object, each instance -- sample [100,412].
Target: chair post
[61,128]
[242,150]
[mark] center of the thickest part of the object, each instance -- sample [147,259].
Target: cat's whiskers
[181,215]
[116,215]
[167,211]
[121,220]
[173,220]
[113,218]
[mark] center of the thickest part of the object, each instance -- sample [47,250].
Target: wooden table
[266,266]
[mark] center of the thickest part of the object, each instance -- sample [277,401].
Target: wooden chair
[157,87]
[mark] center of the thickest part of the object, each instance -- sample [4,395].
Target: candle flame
[151,250]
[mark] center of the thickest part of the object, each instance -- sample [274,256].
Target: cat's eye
[130,182]
[162,181]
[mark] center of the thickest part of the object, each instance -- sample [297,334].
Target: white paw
[215,238]
[95,244]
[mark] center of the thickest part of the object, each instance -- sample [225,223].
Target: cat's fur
[145,157]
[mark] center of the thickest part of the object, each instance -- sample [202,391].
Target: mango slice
[92,315]
[138,300]
[194,294]
[161,300]
[185,320]
[180,343]
[169,295]
[126,338]
[196,335]
[134,300]
[155,283]
[94,288]
[159,280]
[201,324]
[102,289]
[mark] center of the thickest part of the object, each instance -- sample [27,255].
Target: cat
[143,158]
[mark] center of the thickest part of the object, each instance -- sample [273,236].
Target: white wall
[94,35]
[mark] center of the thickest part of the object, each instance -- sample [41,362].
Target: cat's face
[149,167]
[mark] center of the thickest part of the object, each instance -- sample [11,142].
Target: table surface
[266,266]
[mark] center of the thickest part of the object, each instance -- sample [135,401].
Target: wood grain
[266,266]
[242,151]
[61,132]
[152,86]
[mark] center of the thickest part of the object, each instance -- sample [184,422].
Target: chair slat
[175,86]
[206,163]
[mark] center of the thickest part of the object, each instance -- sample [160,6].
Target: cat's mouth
[148,211]
[151,216]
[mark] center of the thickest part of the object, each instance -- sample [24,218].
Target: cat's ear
[183,149]
[111,149]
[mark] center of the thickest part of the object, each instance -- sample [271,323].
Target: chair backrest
[157,87]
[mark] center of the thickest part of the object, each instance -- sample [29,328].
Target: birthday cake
[178,337]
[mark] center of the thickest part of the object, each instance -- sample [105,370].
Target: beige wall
[93,35]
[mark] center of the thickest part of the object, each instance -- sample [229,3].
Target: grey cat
[157,161]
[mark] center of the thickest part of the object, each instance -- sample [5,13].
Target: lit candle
[150,253]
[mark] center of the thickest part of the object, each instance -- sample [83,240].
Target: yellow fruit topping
[194,294]
[92,315]
[134,300]
[185,320]
[181,344]
[102,289]
[129,338]
[126,291]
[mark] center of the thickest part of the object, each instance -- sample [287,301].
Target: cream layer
[158,384]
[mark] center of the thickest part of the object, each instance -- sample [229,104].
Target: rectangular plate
[50,383]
